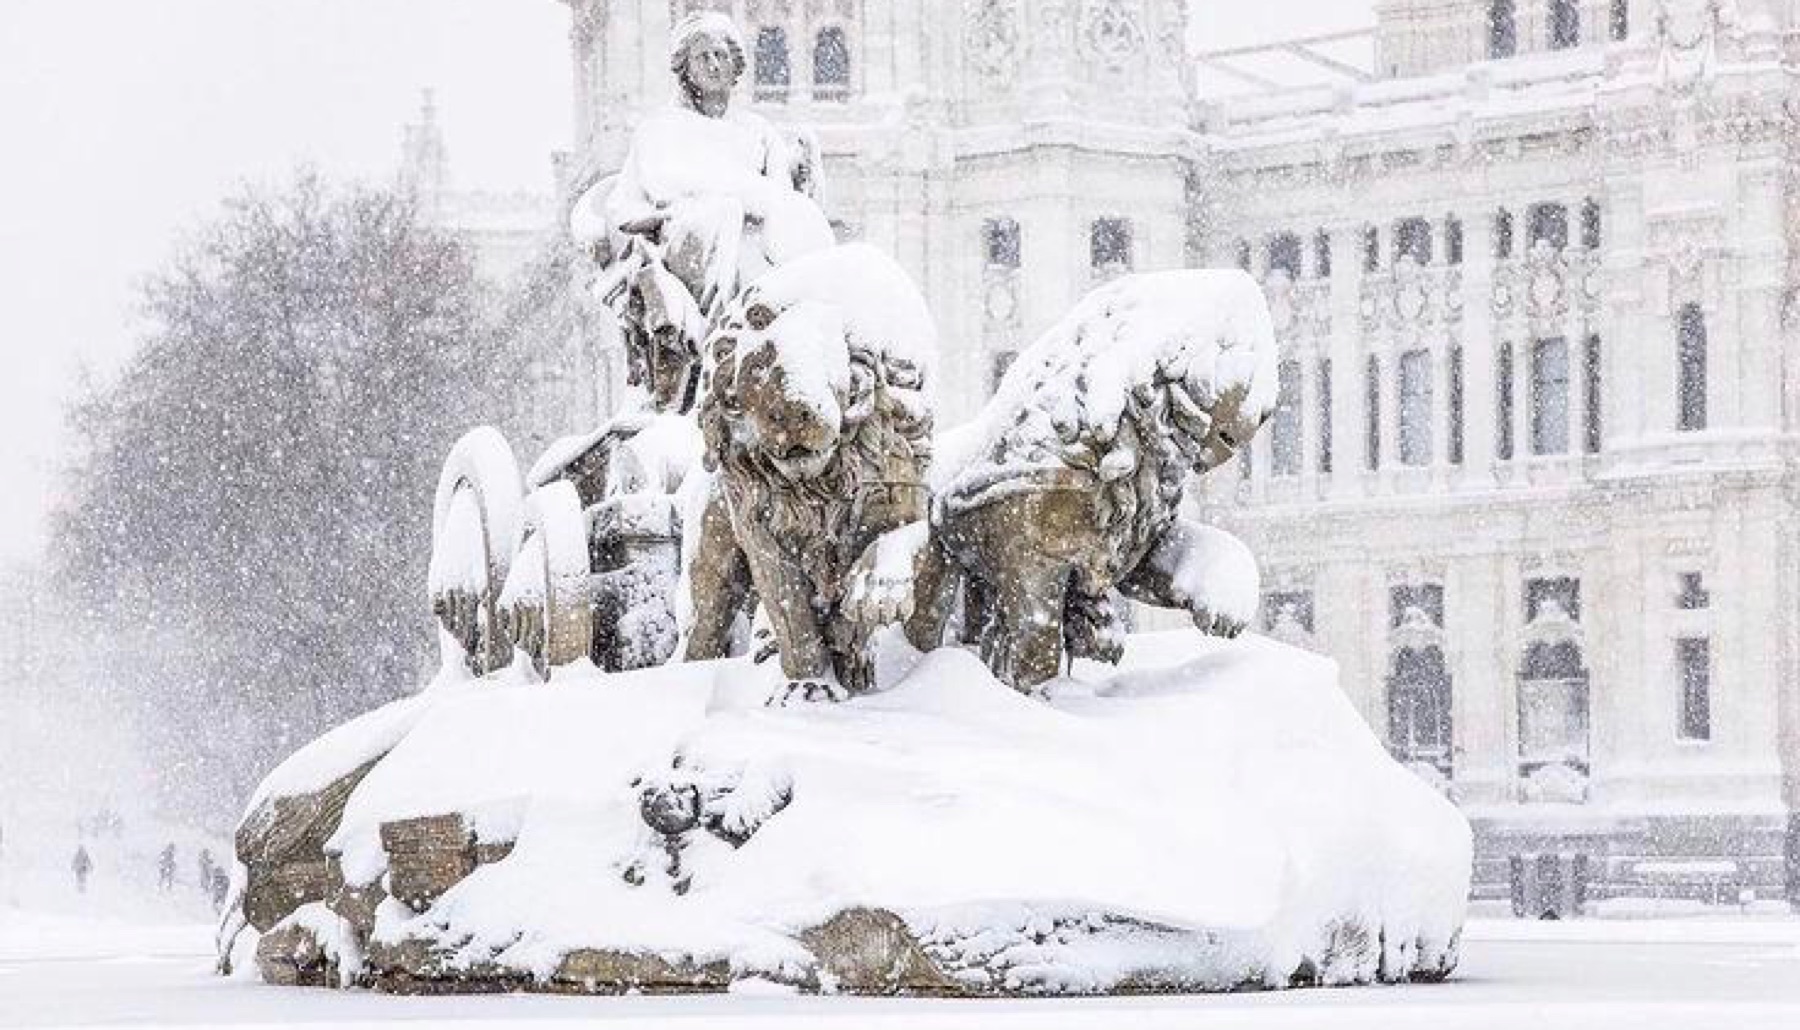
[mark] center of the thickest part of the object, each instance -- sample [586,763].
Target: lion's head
[809,356]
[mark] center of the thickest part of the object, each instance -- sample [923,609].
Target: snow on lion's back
[1208,327]
[882,309]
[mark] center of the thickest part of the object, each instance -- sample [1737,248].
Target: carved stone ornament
[1110,33]
[1545,275]
[1001,303]
[993,38]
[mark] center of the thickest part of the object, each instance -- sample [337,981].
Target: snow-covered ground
[63,971]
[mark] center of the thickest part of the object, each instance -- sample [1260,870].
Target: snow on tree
[243,524]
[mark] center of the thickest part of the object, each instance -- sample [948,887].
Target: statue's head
[707,57]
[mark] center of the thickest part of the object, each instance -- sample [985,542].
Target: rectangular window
[1562,591]
[1692,596]
[1287,606]
[1243,254]
[1691,389]
[1001,240]
[1285,250]
[1371,249]
[1590,224]
[1325,415]
[1619,20]
[1550,397]
[1415,408]
[1693,656]
[1503,402]
[1322,254]
[1503,234]
[1503,29]
[1549,224]
[1284,439]
[1412,241]
[1565,24]
[1591,411]
[1456,406]
[772,68]
[1109,244]
[1372,423]
[1453,240]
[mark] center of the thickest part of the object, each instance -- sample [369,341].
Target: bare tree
[247,520]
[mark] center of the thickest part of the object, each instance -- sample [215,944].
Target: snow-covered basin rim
[1700,930]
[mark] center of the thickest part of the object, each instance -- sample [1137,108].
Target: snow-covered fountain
[705,715]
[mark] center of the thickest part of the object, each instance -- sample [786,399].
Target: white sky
[123,121]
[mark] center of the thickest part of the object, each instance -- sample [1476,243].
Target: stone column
[1478,349]
[1479,691]
[1345,349]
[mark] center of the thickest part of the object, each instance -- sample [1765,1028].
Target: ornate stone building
[1533,479]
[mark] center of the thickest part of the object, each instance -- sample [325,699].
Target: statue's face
[710,66]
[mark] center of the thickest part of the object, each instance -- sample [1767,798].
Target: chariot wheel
[546,604]
[474,531]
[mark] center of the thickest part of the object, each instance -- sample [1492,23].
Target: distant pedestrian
[83,865]
[206,869]
[219,887]
[165,869]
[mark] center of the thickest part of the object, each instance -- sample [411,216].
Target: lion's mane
[817,520]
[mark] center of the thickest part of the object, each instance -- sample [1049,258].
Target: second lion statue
[818,433]
[1068,487]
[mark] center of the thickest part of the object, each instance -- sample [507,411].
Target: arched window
[1503,29]
[1285,253]
[1565,24]
[1549,223]
[1690,397]
[1553,721]
[1419,713]
[1000,238]
[831,64]
[1412,240]
[773,72]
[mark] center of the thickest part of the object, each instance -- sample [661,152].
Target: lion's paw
[1219,624]
[798,692]
[879,589]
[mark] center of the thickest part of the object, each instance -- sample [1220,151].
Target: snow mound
[1213,815]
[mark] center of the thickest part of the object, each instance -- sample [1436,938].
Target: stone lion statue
[1069,484]
[818,429]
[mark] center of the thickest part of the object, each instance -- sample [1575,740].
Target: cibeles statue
[710,197]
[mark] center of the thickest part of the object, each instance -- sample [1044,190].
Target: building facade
[1533,477]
